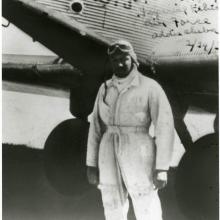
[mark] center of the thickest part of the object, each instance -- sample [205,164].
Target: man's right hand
[93,175]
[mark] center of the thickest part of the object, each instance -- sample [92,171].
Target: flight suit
[119,144]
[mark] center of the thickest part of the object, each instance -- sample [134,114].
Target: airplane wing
[66,37]
[161,32]
[72,41]
[178,39]
[47,71]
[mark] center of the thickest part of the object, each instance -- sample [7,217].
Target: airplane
[176,44]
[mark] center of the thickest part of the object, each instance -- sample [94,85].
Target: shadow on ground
[28,195]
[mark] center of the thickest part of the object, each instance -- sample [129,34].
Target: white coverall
[120,146]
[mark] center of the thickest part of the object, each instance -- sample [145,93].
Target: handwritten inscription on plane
[197,19]
[128,4]
[182,19]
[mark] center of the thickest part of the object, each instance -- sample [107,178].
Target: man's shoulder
[104,86]
[145,80]
[108,82]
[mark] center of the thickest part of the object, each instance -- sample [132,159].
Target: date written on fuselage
[208,47]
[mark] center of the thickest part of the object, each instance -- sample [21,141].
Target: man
[122,157]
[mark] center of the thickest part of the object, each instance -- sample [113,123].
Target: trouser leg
[114,207]
[146,205]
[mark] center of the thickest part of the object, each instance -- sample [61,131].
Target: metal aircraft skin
[177,38]
[176,43]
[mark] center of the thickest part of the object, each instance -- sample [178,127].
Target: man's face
[121,64]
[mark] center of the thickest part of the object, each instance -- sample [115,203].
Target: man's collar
[135,81]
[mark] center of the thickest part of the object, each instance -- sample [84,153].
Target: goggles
[122,47]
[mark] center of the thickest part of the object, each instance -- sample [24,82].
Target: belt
[125,129]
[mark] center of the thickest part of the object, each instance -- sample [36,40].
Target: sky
[22,44]
[23,121]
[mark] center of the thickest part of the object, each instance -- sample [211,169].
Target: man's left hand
[160,179]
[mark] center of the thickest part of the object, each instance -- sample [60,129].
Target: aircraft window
[77,6]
